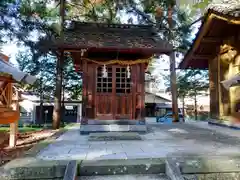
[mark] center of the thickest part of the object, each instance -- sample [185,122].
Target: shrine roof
[226,7]
[220,21]
[113,36]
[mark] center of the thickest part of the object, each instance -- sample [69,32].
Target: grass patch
[21,129]
[34,127]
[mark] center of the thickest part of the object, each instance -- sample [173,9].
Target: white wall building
[31,102]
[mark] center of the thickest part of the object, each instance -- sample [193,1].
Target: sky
[11,50]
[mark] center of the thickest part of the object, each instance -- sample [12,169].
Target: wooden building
[9,96]
[217,48]
[113,59]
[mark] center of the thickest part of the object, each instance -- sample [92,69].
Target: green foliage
[202,5]
[45,69]
[190,83]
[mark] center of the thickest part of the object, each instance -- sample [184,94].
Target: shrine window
[104,84]
[123,82]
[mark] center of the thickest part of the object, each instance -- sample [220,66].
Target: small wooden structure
[217,48]
[113,59]
[9,107]
[7,114]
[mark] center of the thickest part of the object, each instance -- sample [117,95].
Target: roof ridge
[112,25]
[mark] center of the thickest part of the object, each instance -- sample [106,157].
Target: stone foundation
[113,126]
[86,129]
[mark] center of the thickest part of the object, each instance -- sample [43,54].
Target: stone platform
[114,136]
[159,141]
[123,125]
[89,128]
[226,124]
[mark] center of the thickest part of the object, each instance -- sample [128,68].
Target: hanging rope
[121,62]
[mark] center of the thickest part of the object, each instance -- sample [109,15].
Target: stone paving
[127,177]
[160,141]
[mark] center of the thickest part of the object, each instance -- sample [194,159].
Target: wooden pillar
[174,86]
[220,91]
[13,134]
[84,96]
[91,83]
[134,90]
[142,83]
[214,88]
[14,126]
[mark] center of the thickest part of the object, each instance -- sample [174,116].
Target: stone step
[86,129]
[113,136]
[126,177]
[122,166]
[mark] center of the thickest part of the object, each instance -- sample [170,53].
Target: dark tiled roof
[113,36]
[226,7]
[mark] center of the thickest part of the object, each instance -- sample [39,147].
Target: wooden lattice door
[113,96]
[104,101]
[123,95]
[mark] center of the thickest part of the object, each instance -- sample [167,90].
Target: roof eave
[147,50]
[203,28]
[209,16]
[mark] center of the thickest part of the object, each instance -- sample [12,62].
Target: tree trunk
[183,109]
[41,102]
[174,87]
[195,106]
[58,94]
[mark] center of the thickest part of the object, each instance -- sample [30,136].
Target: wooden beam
[212,39]
[199,56]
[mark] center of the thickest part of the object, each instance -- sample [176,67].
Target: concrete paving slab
[165,140]
[96,153]
[120,155]
[114,146]
[99,142]
[125,149]
[115,150]
[77,156]
[138,155]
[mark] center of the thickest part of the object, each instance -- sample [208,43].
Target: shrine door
[114,94]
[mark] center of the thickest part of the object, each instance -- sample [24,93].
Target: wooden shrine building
[9,99]
[217,48]
[113,59]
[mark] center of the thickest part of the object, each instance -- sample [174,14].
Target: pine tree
[190,83]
